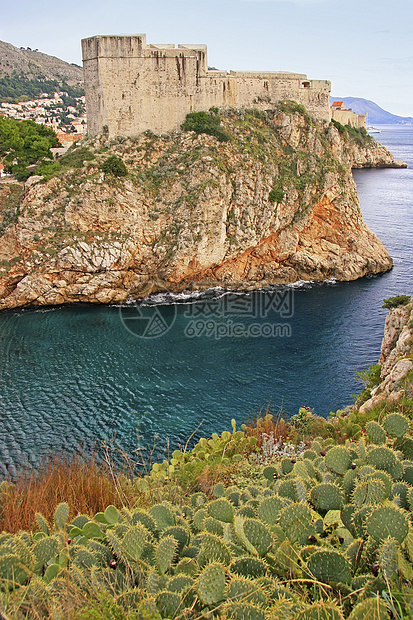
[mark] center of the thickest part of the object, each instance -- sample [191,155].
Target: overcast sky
[364,47]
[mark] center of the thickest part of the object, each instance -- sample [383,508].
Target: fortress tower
[132,86]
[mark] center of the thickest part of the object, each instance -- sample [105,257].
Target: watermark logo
[151,318]
[231,315]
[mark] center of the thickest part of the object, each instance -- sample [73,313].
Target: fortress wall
[348,117]
[131,86]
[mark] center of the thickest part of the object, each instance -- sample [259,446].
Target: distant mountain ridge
[34,64]
[375,114]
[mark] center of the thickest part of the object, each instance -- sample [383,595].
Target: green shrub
[360,136]
[370,377]
[75,158]
[276,195]
[114,165]
[396,301]
[341,129]
[206,122]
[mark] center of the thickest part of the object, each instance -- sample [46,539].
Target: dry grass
[86,485]
[266,424]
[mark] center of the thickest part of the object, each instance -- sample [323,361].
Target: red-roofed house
[340,113]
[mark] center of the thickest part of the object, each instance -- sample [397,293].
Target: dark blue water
[76,376]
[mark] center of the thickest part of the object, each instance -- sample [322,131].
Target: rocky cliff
[276,203]
[396,360]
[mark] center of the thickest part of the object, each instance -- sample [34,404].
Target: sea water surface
[74,377]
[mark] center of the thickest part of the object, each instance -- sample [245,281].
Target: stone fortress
[132,86]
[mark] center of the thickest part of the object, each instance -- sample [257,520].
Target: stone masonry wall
[132,86]
[348,117]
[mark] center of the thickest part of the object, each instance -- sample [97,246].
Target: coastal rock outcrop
[276,203]
[396,359]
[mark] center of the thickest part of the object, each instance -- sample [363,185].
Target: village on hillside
[68,121]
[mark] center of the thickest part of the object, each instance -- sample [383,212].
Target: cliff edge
[273,202]
[395,383]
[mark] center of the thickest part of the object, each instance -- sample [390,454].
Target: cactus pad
[163,516]
[180,534]
[321,610]
[388,557]
[296,522]
[61,516]
[396,424]
[329,566]
[248,566]
[222,510]
[381,458]
[388,521]
[269,510]
[327,496]
[399,493]
[244,590]
[243,611]
[213,549]
[46,549]
[253,535]
[369,492]
[287,488]
[371,608]
[211,584]
[376,433]
[214,526]
[134,541]
[405,444]
[168,604]
[338,459]
[140,516]
[165,553]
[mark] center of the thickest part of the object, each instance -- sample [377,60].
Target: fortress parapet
[132,86]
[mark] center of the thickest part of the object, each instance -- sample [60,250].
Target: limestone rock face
[275,204]
[395,359]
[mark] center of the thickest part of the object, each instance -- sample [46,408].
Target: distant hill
[25,73]
[375,114]
[37,65]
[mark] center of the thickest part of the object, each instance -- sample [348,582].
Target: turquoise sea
[73,378]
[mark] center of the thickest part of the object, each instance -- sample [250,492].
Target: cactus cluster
[339,517]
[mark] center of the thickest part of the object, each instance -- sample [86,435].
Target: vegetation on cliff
[274,202]
[25,146]
[15,88]
[310,518]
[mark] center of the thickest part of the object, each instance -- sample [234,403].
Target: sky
[364,47]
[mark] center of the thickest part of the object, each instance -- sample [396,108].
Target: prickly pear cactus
[327,496]
[163,516]
[61,516]
[269,510]
[396,424]
[211,584]
[243,611]
[321,610]
[376,433]
[165,553]
[296,521]
[371,608]
[388,521]
[329,566]
[382,458]
[369,492]
[222,510]
[338,459]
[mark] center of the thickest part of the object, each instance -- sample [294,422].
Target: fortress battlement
[132,86]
